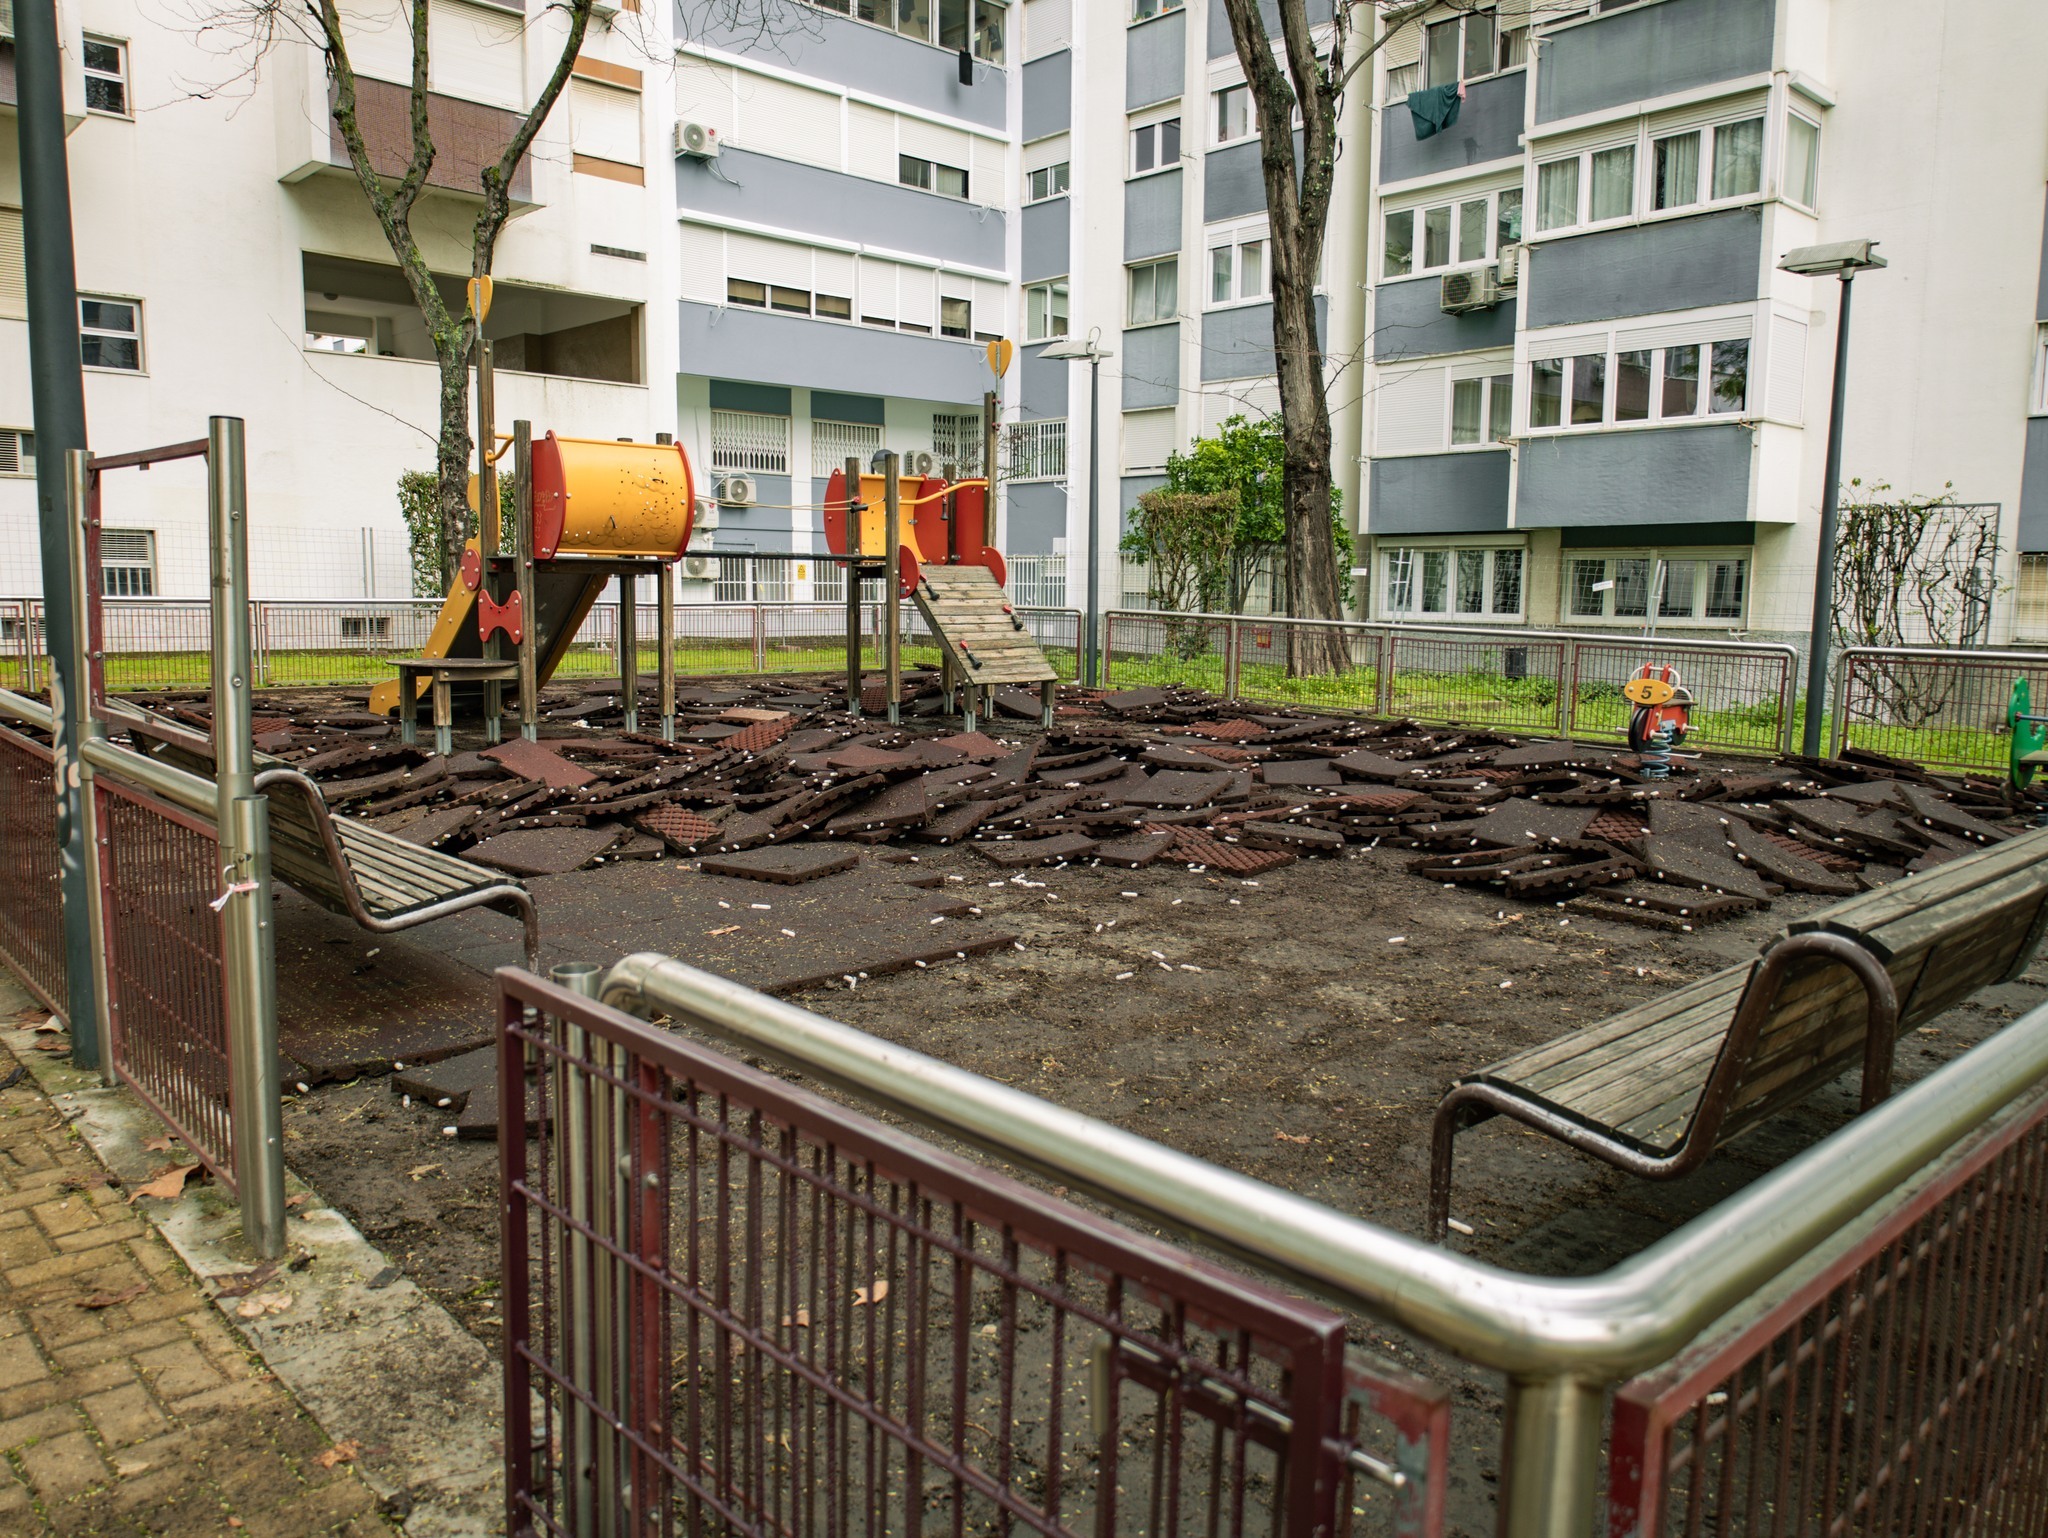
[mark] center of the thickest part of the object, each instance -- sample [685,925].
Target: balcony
[468,136]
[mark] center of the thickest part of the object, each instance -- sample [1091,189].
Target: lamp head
[1842,258]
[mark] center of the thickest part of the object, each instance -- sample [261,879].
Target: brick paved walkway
[148,1415]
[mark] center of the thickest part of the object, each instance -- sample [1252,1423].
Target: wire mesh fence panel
[1329,667]
[1742,696]
[1899,1387]
[736,1307]
[1157,649]
[160,871]
[156,644]
[31,893]
[805,638]
[1058,634]
[1946,709]
[1476,678]
[593,652]
[15,643]
[310,644]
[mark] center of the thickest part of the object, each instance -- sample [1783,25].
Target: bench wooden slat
[1524,1064]
[1873,910]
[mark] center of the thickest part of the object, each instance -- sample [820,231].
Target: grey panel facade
[759,528]
[832,406]
[1049,95]
[1232,182]
[1155,60]
[1038,516]
[1585,480]
[1645,269]
[1439,494]
[1151,367]
[1650,50]
[1152,215]
[1269,12]
[850,53]
[1047,238]
[743,395]
[1041,384]
[1238,343]
[1408,322]
[794,350]
[2034,490]
[790,195]
[1489,127]
[1131,488]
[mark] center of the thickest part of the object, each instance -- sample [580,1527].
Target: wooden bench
[1656,1089]
[381,881]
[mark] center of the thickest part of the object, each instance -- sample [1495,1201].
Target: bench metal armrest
[351,893]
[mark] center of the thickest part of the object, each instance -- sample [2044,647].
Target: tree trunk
[1311,547]
[451,463]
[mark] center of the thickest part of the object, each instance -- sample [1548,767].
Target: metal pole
[1091,654]
[579,1303]
[892,539]
[83,726]
[629,648]
[1824,561]
[852,572]
[58,389]
[242,821]
[522,562]
[665,623]
[1550,1457]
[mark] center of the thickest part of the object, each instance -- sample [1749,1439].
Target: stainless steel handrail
[187,792]
[1562,1342]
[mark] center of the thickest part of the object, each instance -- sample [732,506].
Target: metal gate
[31,894]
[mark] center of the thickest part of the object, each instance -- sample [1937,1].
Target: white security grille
[1038,581]
[956,440]
[833,443]
[749,440]
[1038,450]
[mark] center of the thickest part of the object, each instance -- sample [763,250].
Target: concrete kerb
[386,1368]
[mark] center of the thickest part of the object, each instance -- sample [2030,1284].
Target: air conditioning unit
[1475,288]
[918,462]
[736,490]
[697,140]
[701,568]
[706,519]
[1508,267]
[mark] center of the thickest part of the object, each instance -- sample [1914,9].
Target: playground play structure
[586,512]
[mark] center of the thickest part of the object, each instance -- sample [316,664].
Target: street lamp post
[1843,260]
[1094,352]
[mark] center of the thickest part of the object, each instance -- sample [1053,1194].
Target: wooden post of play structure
[629,648]
[489,534]
[522,563]
[892,616]
[852,573]
[665,623]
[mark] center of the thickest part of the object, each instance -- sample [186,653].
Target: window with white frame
[17,451]
[110,333]
[1802,160]
[750,440]
[975,24]
[1037,451]
[1239,271]
[931,176]
[1655,172]
[106,76]
[1155,146]
[956,317]
[1046,182]
[1637,587]
[1459,48]
[1045,310]
[1154,292]
[1452,581]
[956,440]
[128,563]
[1473,228]
[1618,381]
[1482,410]
[791,301]
[833,443]
[2040,406]
[1145,10]
[1233,117]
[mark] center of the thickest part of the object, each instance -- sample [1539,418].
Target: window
[128,563]
[796,301]
[1589,388]
[913,18]
[1045,310]
[1046,182]
[956,317]
[1739,158]
[1155,147]
[1613,184]
[1461,48]
[1626,588]
[2040,406]
[1651,384]
[1473,229]
[1155,292]
[1403,80]
[1675,171]
[17,451]
[110,333]
[1546,392]
[1145,10]
[365,627]
[106,76]
[1557,194]
[1467,580]
[1681,381]
[1731,377]
[931,176]
[1482,410]
[1234,114]
[833,443]
[744,291]
[749,440]
[1037,450]
[773,296]
[956,440]
[833,307]
[1802,161]
[1724,589]
[1237,270]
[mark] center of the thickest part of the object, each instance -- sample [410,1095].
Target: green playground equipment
[2029,735]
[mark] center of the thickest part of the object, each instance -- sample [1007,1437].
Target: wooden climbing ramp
[985,645]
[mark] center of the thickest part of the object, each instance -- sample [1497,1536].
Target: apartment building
[228,263]
[1593,397]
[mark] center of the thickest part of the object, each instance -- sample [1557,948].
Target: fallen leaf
[234,1521]
[159,1144]
[53,1044]
[170,1185]
[296,1201]
[340,1452]
[130,1470]
[873,1294]
[1289,1137]
[729,929]
[420,1170]
[101,1300]
[239,1284]
[265,1303]
[801,1319]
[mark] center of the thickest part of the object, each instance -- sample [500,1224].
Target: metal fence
[734,1306]
[31,894]
[1898,1387]
[1945,708]
[1516,680]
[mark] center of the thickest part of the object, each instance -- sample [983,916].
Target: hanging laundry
[1434,109]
